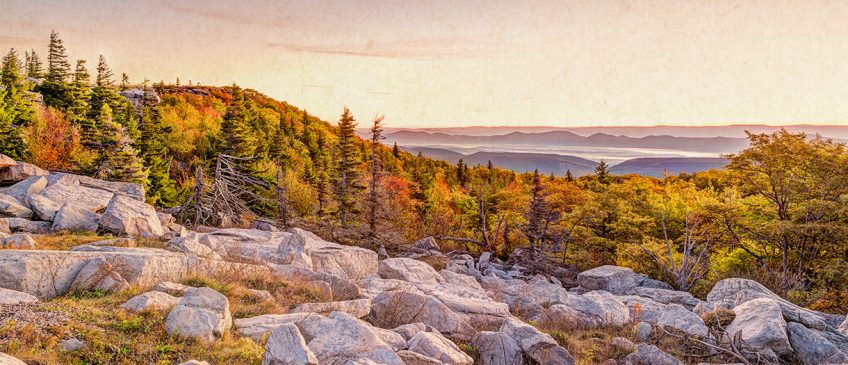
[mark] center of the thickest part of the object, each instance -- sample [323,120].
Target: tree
[395,150]
[80,106]
[568,176]
[153,149]
[239,138]
[461,176]
[321,167]
[11,74]
[125,82]
[376,166]
[104,73]
[58,68]
[34,67]
[15,112]
[538,215]
[54,143]
[346,171]
[119,160]
[602,172]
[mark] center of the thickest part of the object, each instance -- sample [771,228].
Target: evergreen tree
[461,177]
[125,82]
[320,168]
[11,74]
[376,166]
[78,110]
[568,176]
[346,172]
[15,110]
[239,138]
[104,74]
[395,151]
[602,172]
[154,153]
[536,222]
[58,68]
[34,67]
[119,160]
[490,167]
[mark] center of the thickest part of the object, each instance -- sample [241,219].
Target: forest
[777,214]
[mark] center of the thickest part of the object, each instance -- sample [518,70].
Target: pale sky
[454,63]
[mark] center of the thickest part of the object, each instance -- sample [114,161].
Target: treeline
[777,213]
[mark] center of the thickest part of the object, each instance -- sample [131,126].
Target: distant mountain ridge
[717,145]
[558,164]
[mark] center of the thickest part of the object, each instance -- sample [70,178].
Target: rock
[642,331]
[286,346]
[642,309]
[4,226]
[395,308]
[427,243]
[43,207]
[256,327]
[6,161]
[152,300]
[594,309]
[340,289]
[8,360]
[66,188]
[676,317]
[195,362]
[260,295]
[614,279]
[264,225]
[762,326]
[407,331]
[133,190]
[191,245]
[414,358]
[623,344]
[125,215]
[18,241]
[25,225]
[305,250]
[496,348]
[97,274]
[382,253]
[340,338]
[11,207]
[666,296]
[537,345]
[19,172]
[29,186]
[9,297]
[646,282]
[729,293]
[533,261]
[175,289]
[115,242]
[434,345]
[71,345]
[202,313]
[813,349]
[74,218]
[614,311]
[650,355]
[358,308]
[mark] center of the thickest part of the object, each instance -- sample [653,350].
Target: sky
[457,63]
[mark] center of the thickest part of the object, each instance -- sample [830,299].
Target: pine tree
[58,68]
[346,173]
[154,153]
[104,73]
[602,172]
[119,160]
[568,176]
[376,166]
[461,177]
[34,67]
[535,227]
[320,168]
[78,110]
[125,82]
[395,151]
[11,74]
[239,138]
[490,168]
[15,110]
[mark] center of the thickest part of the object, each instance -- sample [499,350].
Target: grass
[118,337]
[64,241]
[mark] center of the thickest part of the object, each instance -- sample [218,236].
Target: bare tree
[695,243]
[376,167]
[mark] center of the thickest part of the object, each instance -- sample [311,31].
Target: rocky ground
[130,285]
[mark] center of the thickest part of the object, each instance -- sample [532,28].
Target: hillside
[518,162]
[660,167]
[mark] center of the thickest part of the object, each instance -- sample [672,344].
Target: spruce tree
[78,110]
[395,151]
[602,172]
[154,152]
[461,177]
[58,68]
[104,73]
[34,67]
[15,111]
[11,74]
[125,82]
[238,136]
[568,176]
[346,173]
[119,160]
[535,227]
[376,167]
[321,175]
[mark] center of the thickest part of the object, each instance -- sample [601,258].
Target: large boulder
[666,296]
[729,293]
[75,218]
[20,171]
[202,313]
[760,324]
[18,241]
[614,279]
[395,308]
[11,207]
[650,355]
[358,308]
[678,318]
[136,191]
[98,274]
[25,225]
[340,338]
[305,250]
[813,349]
[539,346]
[44,208]
[64,188]
[406,269]
[286,346]
[433,345]
[9,297]
[595,309]
[6,161]
[259,326]
[152,300]
[29,186]
[9,360]
[497,348]
[125,215]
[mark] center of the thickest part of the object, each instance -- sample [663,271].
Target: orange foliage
[54,143]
